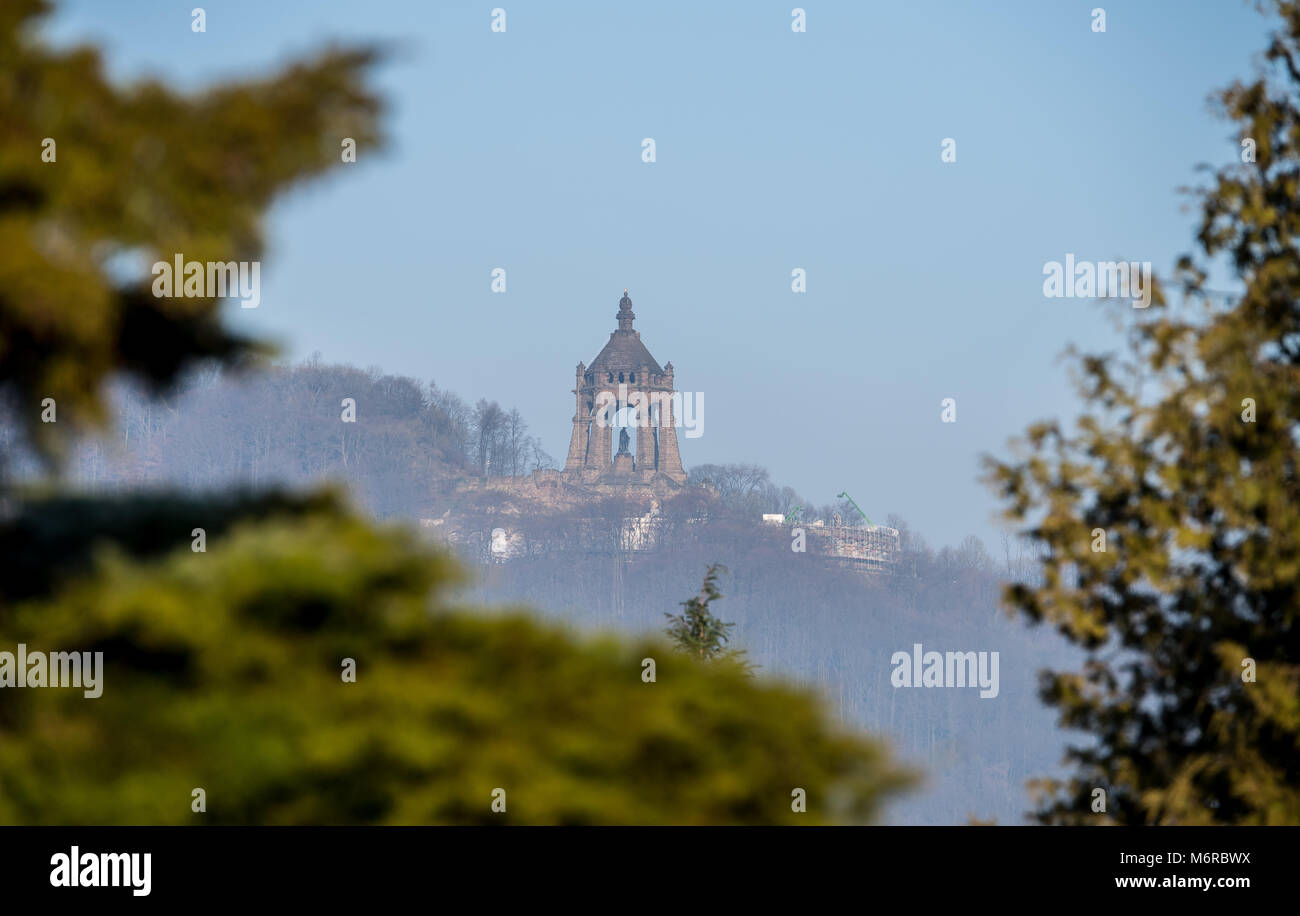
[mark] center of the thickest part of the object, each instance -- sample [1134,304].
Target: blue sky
[775,150]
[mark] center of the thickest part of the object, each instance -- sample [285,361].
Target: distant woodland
[283,426]
[833,630]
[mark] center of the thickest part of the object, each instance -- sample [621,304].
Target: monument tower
[624,393]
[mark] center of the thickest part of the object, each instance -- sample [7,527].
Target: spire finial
[625,313]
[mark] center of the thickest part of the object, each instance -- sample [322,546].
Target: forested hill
[286,425]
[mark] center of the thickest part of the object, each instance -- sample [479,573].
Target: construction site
[871,549]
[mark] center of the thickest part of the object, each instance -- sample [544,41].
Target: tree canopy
[1169,516]
[140,174]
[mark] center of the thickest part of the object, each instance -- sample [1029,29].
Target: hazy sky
[775,150]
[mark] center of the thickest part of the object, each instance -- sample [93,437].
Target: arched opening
[623,430]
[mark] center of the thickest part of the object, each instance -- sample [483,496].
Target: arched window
[620,376]
[609,377]
[632,378]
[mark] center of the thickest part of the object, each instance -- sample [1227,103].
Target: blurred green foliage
[141,174]
[224,668]
[1187,459]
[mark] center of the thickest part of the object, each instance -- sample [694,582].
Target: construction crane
[856,506]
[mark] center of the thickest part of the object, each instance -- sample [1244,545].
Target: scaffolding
[873,548]
[870,548]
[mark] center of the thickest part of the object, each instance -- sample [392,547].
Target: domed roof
[625,352]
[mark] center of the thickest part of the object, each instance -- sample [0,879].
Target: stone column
[670,458]
[578,441]
[601,452]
